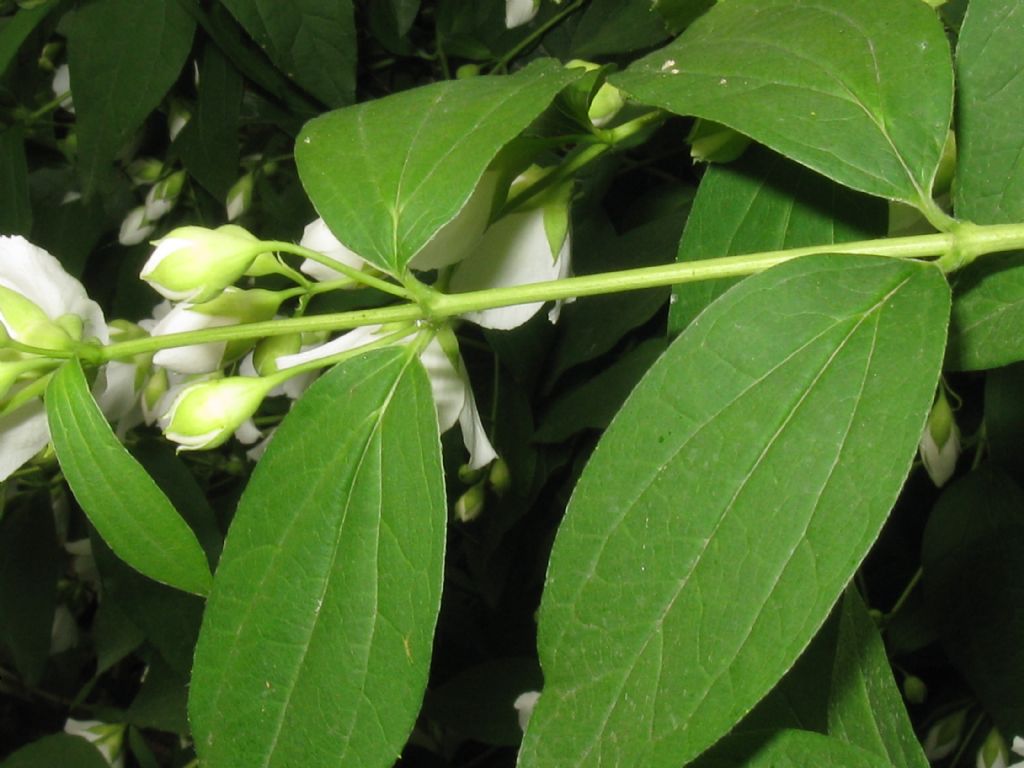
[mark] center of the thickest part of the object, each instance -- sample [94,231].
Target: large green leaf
[312,41]
[124,504]
[990,113]
[57,749]
[728,504]
[859,92]
[865,706]
[764,202]
[988,314]
[119,77]
[387,174]
[789,749]
[973,584]
[317,636]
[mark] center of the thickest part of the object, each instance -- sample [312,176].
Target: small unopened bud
[48,56]
[196,264]
[712,142]
[940,444]
[239,197]
[206,414]
[178,115]
[606,104]
[499,478]
[108,738]
[993,752]
[467,71]
[914,689]
[264,357]
[25,322]
[524,705]
[163,195]
[145,170]
[519,12]
[136,227]
[471,504]
[61,86]
[155,388]
[943,737]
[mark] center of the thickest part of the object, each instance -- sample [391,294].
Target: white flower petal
[354,339]
[524,705]
[194,358]
[519,12]
[446,384]
[456,239]
[25,433]
[136,227]
[317,237]
[481,452]
[40,278]
[248,433]
[514,251]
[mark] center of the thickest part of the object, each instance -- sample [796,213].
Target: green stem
[974,240]
[355,274]
[536,35]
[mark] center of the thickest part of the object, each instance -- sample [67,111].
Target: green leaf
[15,205]
[317,636]
[973,585]
[311,41]
[208,144]
[679,14]
[990,113]
[728,504]
[764,202]
[609,27]
[1004,418]
[123,55]
[789,749]
[17,29]
[387,174]
[861,96]
[865,707]
[30,564]
[988,313]
[58,749]
[124,504]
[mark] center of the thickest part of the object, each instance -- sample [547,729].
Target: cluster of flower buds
[160,200]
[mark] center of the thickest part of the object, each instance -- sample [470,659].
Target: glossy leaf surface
[387,174]
[124,504]
[118,79]
[860,96]
[764,202]
[990,115]
[728,504]
[317,637]
[312,41]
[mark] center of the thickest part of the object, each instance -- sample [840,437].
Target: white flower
[34,289]
[940,443]
[453,395]
[524,705]
[457,239]
[108,738]
[62,87]
[136,227]
[519,12]
[515,250]
[317,237]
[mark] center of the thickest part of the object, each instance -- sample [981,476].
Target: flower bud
[204,415]
[499,478]
[264,358]
[467,71]
[940,444]
[519,12]
[196,264]
[943,737]
[605,105]
[914,689]
[239,197]
[163,195]
[471,504]
[48,56]
[61,86]
[178,115]
[108,738]
[155,388]
[26,323]
[524,705]
[712,142]
[136,227]
[993,752]
[145,170]
[318,237]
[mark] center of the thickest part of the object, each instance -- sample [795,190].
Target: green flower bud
[196,264]
[914,689]
[940,444]
[145,170]
[467,71]
[204,415]
[471,504]
[26,323]
[499,478]
[163,195]
[712,142]
[993,752]
[943,737]
[605,105]
[264,357]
